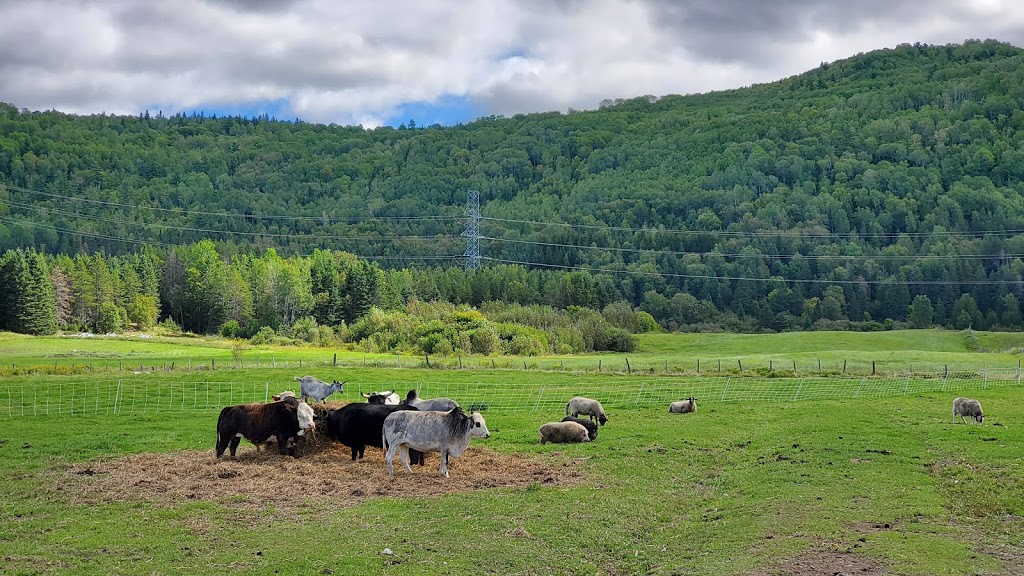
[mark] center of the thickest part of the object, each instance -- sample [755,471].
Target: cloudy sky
[446,61]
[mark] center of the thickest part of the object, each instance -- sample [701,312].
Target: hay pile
[326,479]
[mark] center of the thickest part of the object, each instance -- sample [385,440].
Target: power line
[229,232]
[354,219]
[757,255]
[759,233]
[37,225]
[748,279]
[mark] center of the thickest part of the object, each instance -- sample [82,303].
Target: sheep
[967,407]
[590,426]
[586,406]
[683,406]
[563,433]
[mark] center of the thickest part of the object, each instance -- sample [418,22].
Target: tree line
[333,296]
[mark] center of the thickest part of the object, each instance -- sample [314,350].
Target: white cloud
[349,62]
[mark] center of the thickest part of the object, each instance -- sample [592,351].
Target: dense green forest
[882,187]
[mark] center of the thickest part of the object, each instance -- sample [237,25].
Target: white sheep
[590,408]
[683,406]
[967,407]
[563,433]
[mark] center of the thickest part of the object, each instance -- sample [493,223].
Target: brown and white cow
[282,421]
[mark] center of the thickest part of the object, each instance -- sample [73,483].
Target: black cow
[360,425]
[281,421]
[588,424]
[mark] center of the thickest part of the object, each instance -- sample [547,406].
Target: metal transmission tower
[472,232]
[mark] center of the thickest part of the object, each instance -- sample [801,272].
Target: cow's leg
[444,462]
[233,445]
[222,443]
[355,453]
[389,456]
[403,453]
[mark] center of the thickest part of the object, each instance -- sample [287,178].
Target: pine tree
[39,304]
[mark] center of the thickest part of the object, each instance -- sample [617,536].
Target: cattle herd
[414,426]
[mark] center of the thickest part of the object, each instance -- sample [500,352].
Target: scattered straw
[327,477]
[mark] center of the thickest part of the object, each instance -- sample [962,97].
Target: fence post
[872,367]
[1018,372]
[698,365]
[724,389]
[799,386]
[794,367]
[819,365]
[213,364]
[740,362]
[769,365]
[638,394]
[335,359]
[117,395]
[719,365]
[492,364]
[598,364]
[844,366]
[906,385]
[399,360]
[628,369]
[460,361]
[524,364]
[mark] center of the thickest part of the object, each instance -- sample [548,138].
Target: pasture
[793,485]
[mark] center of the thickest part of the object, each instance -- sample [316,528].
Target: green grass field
[883,485]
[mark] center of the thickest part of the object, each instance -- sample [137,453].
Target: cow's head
[377,397]
[305,415]
[479,428]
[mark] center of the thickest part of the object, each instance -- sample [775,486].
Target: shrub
[230,329]
[484,341]
[306,330]
[264,336]
[645,323]
[109,318]
[618,340]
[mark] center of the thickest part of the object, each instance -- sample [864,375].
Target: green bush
[230,329]
[645,323]
[484,341]
[618,340]
[306,329]
[265,335]
[109,319]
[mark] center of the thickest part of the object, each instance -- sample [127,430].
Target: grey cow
[446,432]
[435,404]
[316,389]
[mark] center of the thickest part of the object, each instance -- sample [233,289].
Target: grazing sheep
[590,426]
[683,406]
[563,433]
[586,406]
[967,407]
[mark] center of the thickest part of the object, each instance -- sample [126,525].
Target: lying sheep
[683,406]
[586,406]
[967,407]
[563,433]
[590,426]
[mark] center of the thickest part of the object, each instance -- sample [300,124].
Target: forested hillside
[853,192]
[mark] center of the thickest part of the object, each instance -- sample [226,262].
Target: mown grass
[894,351]
[734,489]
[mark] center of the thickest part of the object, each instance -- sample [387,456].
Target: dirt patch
[327,478]
[829,563]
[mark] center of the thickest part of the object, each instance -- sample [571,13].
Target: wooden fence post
[628,369]
[335,359]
